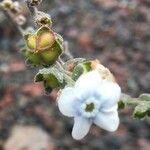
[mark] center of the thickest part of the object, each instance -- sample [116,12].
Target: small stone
[28,138]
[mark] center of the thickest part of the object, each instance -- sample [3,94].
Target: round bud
[43,19]
[34,2]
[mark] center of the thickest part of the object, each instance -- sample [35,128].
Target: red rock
[33,89]
[85,40]
[16,66]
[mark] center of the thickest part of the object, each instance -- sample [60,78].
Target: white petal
[81,127]
[66,102]
[109,93]
[90,78]
[87,84]
[108,120]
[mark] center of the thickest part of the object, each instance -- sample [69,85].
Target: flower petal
[109,93]
[87,83]
[66,102]
[81,127]
[107,120]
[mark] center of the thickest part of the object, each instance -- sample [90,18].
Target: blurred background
[117,32]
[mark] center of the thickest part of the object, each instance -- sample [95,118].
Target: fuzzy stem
[66,50]
[66,74]
[33,10]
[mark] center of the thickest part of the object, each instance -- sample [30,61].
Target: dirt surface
[116,33]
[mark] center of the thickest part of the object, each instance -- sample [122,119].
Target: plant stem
[66,50]
[67,77]
[33,10]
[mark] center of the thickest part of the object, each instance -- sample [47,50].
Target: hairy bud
[34,2]
[43,19]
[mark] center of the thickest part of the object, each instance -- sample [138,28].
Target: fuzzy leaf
[145,97]
[142,109]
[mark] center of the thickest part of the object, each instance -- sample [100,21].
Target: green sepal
[41,39]
[121,105]
[30,40]
[45,38]
[80,69]
[52,78]
[31,56]
[50,56]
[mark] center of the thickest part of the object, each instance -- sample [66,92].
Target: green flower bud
[32,57]
[42,39]
[43,46]
[51,77]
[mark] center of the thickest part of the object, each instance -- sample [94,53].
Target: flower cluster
[93,99]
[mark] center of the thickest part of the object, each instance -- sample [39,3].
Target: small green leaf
[140,111]
[32,57]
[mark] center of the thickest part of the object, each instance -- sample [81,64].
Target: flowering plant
[87,90]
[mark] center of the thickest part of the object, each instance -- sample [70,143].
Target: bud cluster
[43,47]
[15,11]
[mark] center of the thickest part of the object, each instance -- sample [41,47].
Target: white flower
[93,99]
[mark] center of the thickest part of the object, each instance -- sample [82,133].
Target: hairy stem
[33,10]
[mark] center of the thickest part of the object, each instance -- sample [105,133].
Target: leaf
[145,97]
[141,104]
[142,109]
